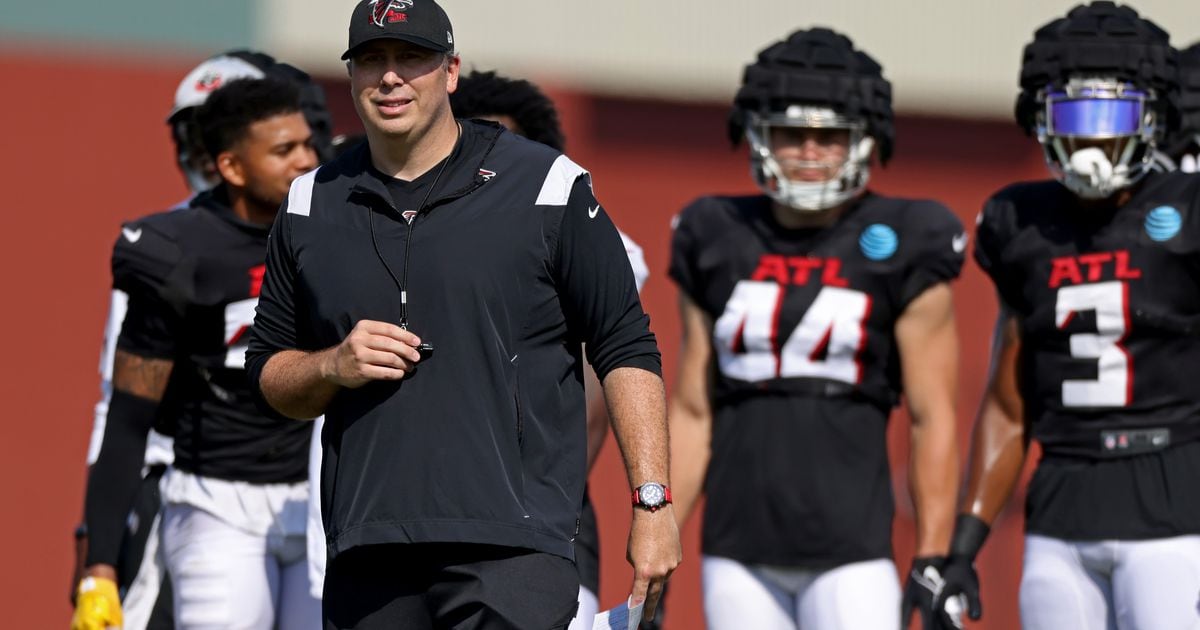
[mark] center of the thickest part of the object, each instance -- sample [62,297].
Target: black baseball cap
[420,22]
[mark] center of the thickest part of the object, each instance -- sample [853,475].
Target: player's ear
[452,63]
[231,169]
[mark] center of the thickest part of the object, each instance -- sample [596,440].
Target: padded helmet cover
[1189,101]
[1100,39]
[817,67]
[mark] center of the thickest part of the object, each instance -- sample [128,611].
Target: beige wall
[943,56]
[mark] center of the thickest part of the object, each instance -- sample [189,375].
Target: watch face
[651,494]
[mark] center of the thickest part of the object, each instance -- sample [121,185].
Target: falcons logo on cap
[387,11]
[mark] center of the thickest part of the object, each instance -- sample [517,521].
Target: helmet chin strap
[849,180]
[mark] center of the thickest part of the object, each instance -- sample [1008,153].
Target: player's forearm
[928,344]
[637,403]
[999,442]
[998,448]
[691,443]
[933,482]
[295,384]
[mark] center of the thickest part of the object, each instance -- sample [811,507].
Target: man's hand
[960,590]
[97,605]
[654,552]
[373,351]
[924,585]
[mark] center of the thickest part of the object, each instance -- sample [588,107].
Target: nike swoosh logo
[592,212]
[959,243]
[132,235]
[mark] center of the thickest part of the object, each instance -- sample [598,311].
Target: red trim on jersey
[738,345]
[237,336]
[862,340]
[775,332]
[1121,345]
[256,279]
[1067,322]
[822,345]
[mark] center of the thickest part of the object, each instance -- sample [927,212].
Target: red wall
[87,148]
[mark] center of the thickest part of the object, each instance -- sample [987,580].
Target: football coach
[429,292]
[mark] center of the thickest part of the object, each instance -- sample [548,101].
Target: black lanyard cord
[401,283]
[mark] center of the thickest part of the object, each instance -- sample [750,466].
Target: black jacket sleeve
[597,288]
[274,326]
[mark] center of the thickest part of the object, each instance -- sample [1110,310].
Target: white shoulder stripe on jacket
[556,190]
[300,194]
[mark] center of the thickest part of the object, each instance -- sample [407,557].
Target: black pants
[444,585]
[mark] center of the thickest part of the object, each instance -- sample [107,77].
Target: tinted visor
[1094,117]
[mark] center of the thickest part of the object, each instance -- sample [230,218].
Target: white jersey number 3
[1113,385]
[825,344]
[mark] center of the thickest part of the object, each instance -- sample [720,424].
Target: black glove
[922,587]
[958,575]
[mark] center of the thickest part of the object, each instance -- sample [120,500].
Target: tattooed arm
[140,376]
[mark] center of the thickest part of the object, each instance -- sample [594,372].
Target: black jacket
[512,265]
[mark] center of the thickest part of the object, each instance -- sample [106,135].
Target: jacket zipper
[520,411]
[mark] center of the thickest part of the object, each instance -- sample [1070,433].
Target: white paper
[622,617]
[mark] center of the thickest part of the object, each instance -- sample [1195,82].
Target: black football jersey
[1109,306]
[193,276]
[806,368]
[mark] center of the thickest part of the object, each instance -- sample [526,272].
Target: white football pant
[855,596]
[225,578]
[1111,585]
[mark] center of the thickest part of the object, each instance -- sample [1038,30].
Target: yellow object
[97,606]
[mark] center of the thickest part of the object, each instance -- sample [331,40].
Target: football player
[1096,349]
[142,580]
[236,494]
[806,311]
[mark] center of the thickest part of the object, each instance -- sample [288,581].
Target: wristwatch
[651,496]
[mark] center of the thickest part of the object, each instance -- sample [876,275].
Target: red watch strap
[666,495]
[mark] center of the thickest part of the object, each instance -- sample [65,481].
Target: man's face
[399,88]
[274,152]
[810,154]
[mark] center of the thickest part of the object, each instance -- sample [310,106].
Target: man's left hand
[921,589]
[654,552]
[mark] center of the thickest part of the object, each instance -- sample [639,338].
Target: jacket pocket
[519,409]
